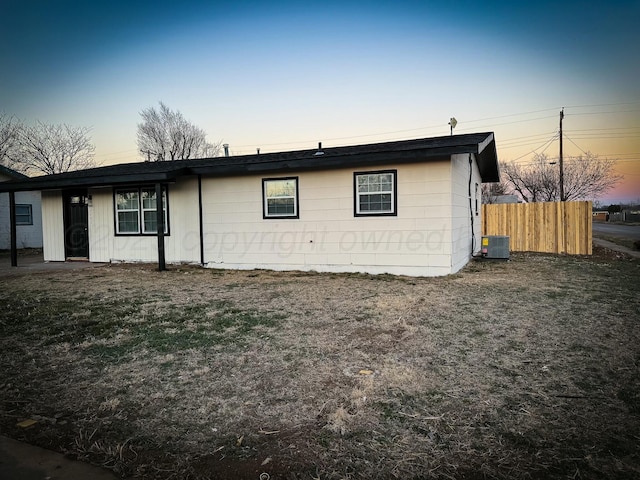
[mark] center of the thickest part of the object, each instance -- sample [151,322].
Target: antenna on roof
[453,122]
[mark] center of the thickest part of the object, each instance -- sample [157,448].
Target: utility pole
[560,159]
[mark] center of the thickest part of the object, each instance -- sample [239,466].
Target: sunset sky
[284,75]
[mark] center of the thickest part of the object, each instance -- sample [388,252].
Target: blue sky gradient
[284,75]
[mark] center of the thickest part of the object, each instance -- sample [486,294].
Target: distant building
[631,215]
[601,216]
[506,199]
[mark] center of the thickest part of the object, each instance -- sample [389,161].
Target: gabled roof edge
[12,173]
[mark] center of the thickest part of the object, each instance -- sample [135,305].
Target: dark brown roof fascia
[320,162]
[34,184]
[357,156]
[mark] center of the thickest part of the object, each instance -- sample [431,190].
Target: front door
[76,225]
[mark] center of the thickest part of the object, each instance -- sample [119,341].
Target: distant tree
[10,129]
[614,208]
[165,134]
[48,149]
[585,177]
[491,191]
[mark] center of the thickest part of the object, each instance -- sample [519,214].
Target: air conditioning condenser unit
[495,246]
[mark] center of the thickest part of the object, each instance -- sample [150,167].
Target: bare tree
[589,177]
[10,129]
[585,177]
[49,149]
[165,134]
[491,191]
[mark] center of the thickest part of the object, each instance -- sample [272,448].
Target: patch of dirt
[508,370]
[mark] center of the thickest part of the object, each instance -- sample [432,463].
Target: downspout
[12,223]
[473,235]
[200,220]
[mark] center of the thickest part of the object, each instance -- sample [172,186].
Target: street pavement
[20,461]
[631,232]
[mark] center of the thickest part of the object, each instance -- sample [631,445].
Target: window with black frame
[375,193]
[135,210]
[280,197]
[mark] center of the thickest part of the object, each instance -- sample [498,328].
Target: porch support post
[200,220]
[12,223]
[160,222]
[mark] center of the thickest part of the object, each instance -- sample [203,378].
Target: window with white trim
[375,193]
[24,214]
[135,210]
[280,197]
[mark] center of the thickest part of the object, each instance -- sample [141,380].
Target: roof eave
[112,180]
[441,148]
[327,162]
[487,158]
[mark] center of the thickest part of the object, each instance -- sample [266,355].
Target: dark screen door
[76,225]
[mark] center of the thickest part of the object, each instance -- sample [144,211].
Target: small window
[136,211]
[280,197]
[24,215]
[375,193]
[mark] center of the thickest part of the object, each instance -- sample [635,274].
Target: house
[405,207]
[600,216]
[28,215]
[502,199]
[631,214]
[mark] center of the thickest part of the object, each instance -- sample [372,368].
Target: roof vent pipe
[226,149]
[258,150]
[319,152]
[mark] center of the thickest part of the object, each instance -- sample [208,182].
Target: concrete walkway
[20,461]
[615,247]
[34,262]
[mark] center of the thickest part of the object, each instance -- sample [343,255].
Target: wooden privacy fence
[551,227]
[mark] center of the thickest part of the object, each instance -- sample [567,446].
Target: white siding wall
[181,245]
[52,226]
[461,215]
[327,236]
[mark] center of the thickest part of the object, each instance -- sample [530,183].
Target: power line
[603,129]
[602,113]
[510,123]
[545,145]
[565,136]
[432,127]
[531,140]
[603,105]
[511,115]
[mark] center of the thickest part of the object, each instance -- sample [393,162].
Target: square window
[375,193]
[24,215]
[280,197]
[136,211]
[128,222]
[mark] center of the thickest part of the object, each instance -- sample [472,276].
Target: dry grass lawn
[508,370]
